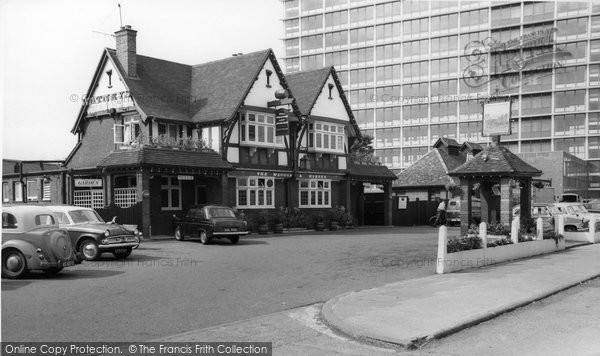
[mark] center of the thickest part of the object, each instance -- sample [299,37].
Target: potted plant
[278,221]
[262,223]
[319,222]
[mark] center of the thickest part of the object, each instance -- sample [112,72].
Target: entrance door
[201,194]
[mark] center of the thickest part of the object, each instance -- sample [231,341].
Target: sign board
[496,119]
[248,173]
[402,202]
[88,182]
[281,122]
[182,177]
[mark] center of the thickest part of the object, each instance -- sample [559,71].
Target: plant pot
[278,228]
[263,229]
[334,226]
[320,226]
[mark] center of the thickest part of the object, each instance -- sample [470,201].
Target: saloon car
[575,215]
[33,240]
[539,210]
[92,236]
[209,222]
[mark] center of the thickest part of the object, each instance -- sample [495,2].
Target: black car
[209,222]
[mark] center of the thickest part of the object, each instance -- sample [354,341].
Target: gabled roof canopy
[495,161]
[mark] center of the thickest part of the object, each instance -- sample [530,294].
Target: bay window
[255,192]
[127,130]
[315,193]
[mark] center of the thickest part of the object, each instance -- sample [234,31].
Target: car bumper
[132,245]
[229,233]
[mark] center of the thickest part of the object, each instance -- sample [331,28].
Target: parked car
[539,210]
[575,215]
[593,205]
[208,222]
[453,210]
[92,236]
[33,240]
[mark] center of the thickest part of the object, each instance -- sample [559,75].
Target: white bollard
[483,234]
[514,230]
[442,249]
[560,224]
[540,228]
[592,232]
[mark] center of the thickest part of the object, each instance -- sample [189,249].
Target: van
[453,210]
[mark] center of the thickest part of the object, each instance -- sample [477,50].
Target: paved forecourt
[410,312]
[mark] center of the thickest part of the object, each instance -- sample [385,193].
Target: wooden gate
[131,215]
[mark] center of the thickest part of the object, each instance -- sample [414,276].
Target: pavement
[410,313]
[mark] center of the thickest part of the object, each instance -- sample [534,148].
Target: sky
[49,50]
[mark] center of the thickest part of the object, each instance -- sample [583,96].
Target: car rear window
[44,219]
[9,221]
[221,213]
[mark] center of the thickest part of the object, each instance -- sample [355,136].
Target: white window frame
[127,130]
[46,190]
[5,191]
[320,136]
[259,121]
[315,189]
[251,186]
[32,186]
[170,187]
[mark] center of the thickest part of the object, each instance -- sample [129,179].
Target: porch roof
[160,157]
[370,172]
[495,161]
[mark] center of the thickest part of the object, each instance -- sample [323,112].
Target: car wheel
[89,250]
[122,255]
[234,240]
[14,264]
[179,234]
[204,238]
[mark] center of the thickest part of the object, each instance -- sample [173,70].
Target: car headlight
[107,233]
[136,231]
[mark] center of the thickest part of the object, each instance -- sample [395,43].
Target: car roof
[24,214]
[66,208]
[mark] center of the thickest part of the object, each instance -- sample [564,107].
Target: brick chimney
[126,51]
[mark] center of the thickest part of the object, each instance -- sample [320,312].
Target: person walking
[441,213]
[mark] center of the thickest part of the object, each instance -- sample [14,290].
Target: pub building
[156,137]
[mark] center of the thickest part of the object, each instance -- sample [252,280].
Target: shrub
[548,235]
[463,244]
[500,242]
[498,229]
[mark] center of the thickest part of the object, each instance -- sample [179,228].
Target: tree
[362,151]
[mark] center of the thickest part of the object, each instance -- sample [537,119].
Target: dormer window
[109,73]
[269,73]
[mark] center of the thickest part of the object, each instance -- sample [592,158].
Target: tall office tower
[418,70]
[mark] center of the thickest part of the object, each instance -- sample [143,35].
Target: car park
[33,240]
[209,222]
[92,236]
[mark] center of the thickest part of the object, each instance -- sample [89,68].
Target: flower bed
[464,253]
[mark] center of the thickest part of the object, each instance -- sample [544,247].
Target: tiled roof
[445,142]
[219,87]
[206,92]
[162,88]
[306,87]
[471,146]
[496,160]
[10,166]
[429,171]
[374,171]
[165,157]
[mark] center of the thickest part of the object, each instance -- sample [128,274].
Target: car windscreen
[221,213]
[580,209]
[85,216]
